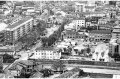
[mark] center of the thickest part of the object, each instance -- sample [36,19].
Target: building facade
[71,34]
[18,29]
[46,53]
[89,8]
[115,49]
[100,35]
[80,6]
[79,23]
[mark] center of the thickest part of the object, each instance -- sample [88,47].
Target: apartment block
[17,29]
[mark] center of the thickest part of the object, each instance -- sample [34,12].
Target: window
[117,49]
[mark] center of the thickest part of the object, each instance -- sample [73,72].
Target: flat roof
[19,22]
[89,6]
[101,31]
[44,48]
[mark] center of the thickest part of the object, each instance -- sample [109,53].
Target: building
[89,8]
[105,27]
[115,49]
[1,63]
[102,21]
[90,22]
[17,29]
[22,67]
[100,35]
[70,26]
[80,22]
[72,34]
[80,6]
[6,51]
[15,70]
[97,14]
[46,53]
[101,53]
[116,32]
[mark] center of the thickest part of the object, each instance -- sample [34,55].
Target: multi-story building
[102,21]
[89,8]
[115,49]
[104,27]
[17,29]
[116,32]
[80,22]
[100,35]
[97,14]
[72,34]
[80,6]
[46,53]
[1,63]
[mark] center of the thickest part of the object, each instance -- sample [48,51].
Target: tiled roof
[26,62]
[101,31]
[36,75]
[15,67]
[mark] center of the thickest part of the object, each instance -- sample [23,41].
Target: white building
[89,8]
[79,23]
[80,6]
[69,26]
[18,28]
[46,53]
[101,53]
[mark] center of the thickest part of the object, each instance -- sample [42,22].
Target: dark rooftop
[101,31]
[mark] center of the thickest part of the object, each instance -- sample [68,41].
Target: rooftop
[101,31]
[44,48]
[89,6]
[15,67]
[26,62]
[19,22]
[37,75]
[70,32]
[116,30]
[2,26]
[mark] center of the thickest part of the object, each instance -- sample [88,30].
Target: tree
[46,72]
[8,58]
[82,73]
[88,50]
[110,54]
[44,41]
[58,65]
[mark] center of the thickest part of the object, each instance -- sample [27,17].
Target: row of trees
[48,41]
[29,39]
